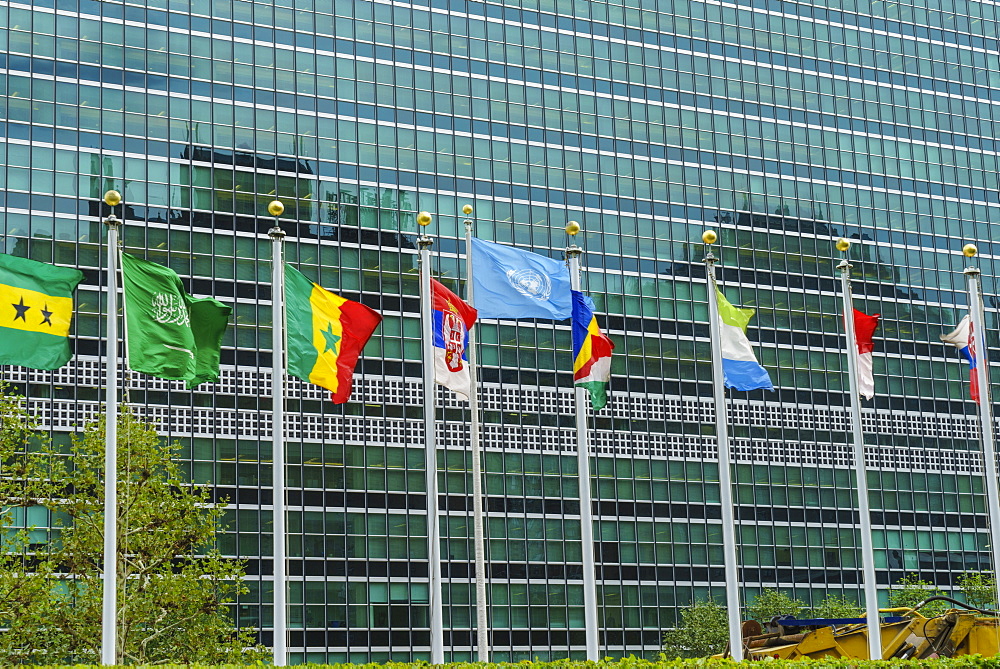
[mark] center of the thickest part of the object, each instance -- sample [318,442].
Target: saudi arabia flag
[168,333]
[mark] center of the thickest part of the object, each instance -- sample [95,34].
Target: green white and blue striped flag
[740,368]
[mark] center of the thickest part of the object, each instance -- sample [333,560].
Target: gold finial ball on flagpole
[709,237]
[843,245]
[275,208]
[423,218]
[573,228]
[112,198]
[467,209]
[969,250]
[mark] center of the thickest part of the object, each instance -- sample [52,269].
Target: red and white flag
[864,329]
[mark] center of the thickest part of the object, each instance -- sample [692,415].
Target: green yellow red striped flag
[326,334]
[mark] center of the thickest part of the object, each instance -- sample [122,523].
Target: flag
[591,352]
[740,369]
[452,320]
[511,283]
[864,329]
[962,339]
[168,333]
[326,334]
[36,308]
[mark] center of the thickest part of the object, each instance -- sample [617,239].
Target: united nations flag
[511,283]
[36,308]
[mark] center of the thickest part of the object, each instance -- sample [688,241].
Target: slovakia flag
[452,319]
[962,338]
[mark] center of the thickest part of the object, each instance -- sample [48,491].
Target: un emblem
[530,283]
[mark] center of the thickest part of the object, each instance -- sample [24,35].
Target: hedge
[626,663]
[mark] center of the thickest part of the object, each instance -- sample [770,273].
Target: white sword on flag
[860,470]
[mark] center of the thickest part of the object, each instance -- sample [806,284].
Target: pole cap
[424,218]
[969,250]
[709,237]
[843,245]
[467,209]
[573,228]
[275,208]
[112,198]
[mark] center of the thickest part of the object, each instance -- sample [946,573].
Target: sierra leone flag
[740,368]
[326,334]
[591,352]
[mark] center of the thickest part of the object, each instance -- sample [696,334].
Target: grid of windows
[784,125]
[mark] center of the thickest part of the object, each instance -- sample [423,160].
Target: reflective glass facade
[784,125]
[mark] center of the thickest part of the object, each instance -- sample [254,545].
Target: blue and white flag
[510,283]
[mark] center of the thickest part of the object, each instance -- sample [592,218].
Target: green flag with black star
[36,309]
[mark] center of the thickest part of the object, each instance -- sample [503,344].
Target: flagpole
[985,410]
[478,533]
[860,469]
[725,465]
[109,598]
[280,625]
[430,445]
[573,253]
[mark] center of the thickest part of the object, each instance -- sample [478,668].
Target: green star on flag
[331,338]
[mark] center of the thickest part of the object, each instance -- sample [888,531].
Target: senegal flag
[36,307]
[325,334]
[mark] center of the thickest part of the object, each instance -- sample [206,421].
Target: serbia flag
[962,338]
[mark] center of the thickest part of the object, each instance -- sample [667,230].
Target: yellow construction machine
[964,630]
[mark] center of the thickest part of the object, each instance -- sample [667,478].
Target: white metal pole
[725,468]
[109,600]
[430,445]
[861,471]
[277,236]
[580,397]
[478,531]
[985,417]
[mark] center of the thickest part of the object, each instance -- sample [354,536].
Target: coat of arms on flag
[452,319]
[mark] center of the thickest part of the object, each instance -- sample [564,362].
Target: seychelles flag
[452,318]
[326,333]
[962,338]
[740,369]
[591,352]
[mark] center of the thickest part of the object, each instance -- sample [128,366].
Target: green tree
[703,631]
[770,603]
[173,585]
[837,606]
[979,588]
[910,590]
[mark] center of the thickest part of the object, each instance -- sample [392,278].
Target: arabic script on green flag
[168,333]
